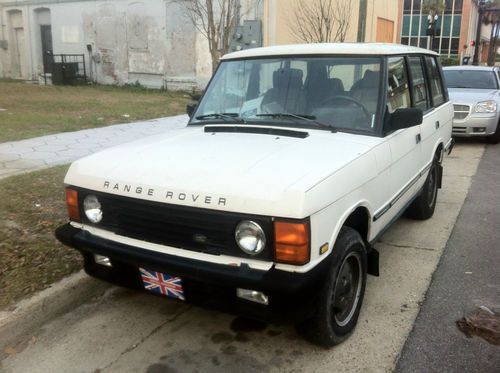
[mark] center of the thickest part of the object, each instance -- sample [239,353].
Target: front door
[46,34]
[19,53]
[405,143]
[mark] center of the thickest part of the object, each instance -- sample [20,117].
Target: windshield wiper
[224,116]
[301,117]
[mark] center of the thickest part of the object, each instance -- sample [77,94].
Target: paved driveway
[126,331]
[27,155]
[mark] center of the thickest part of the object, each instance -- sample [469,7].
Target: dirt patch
[31,207]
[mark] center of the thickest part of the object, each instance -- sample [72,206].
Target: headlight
[250,237]
[92,208]
[486,107]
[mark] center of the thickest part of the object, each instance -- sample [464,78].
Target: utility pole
[363,4]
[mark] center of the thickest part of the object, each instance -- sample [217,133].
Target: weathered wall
[279,17]
[151,42]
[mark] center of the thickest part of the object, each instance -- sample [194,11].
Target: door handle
[418,138]
[437,124]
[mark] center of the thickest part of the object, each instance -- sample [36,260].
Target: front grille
[461,111]
[459,129]
[190,228]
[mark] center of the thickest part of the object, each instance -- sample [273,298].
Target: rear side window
[435,81]
[398,90]
[418,83]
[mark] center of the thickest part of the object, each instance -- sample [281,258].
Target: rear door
[439,113]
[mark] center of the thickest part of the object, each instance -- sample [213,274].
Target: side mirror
[406,118]
[190,108]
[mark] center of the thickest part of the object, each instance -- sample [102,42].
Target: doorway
[47,52]
[17,68]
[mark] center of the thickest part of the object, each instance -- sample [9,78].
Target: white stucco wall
[150,41]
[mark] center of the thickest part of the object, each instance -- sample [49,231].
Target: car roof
[468,67]
[374,49]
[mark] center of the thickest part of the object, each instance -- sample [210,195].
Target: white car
[296,159]
[475,93]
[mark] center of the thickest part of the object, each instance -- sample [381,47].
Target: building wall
[379,11]
[457,22]
[151,42]
[278,16]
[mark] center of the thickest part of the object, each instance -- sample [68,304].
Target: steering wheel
[349,99]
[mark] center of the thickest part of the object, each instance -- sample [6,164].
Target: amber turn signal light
[72,204]
[292,242]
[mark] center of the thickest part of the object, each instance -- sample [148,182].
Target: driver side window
[398,90]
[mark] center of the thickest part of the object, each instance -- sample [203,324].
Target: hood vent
[257,130]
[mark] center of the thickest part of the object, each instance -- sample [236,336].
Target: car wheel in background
[495,138]
[424,205]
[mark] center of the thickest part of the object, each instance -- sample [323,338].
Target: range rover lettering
[294,161]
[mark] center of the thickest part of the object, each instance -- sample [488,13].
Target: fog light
[479,129]
[102,260]
[253,296]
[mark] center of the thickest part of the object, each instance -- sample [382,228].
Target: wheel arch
[359,218]
[439,150]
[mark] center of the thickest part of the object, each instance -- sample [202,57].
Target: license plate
[163,284]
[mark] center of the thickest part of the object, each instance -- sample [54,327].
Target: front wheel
[424,205]
[341,296]
[495,138]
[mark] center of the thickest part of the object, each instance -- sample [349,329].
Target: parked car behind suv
[475,93]
[296,159]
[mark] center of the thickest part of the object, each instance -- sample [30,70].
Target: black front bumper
[291,295]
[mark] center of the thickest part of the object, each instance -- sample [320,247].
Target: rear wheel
[424,205]
[340,299]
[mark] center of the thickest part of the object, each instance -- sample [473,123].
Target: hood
[242,172]
[472,96]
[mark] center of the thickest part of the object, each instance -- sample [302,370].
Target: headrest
[287,78]
[370,79]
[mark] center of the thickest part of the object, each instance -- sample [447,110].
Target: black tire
[341,296]
[495,138]
[423,206]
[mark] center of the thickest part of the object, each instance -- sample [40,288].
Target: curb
[31,313]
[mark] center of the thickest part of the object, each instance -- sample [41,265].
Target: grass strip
[31,207]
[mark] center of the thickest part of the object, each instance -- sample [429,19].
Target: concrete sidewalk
[32,154]
[467,277]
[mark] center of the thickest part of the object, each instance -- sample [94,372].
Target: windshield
[323,92]
[470,79]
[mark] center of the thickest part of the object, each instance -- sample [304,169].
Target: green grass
[31,207]
[36,110]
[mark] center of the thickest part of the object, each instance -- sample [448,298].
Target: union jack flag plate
[160,283]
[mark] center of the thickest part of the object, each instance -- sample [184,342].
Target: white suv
[294,162]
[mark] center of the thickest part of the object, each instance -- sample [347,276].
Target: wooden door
[19,53]
[385,30]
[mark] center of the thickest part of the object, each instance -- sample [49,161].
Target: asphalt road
[468,276]
[125,331]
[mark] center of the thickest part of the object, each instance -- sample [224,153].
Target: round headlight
[250,237]
[92,208]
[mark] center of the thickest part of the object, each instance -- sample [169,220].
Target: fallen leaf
[9,350]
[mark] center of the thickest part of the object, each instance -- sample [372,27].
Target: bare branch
[215,20]
[320,21]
